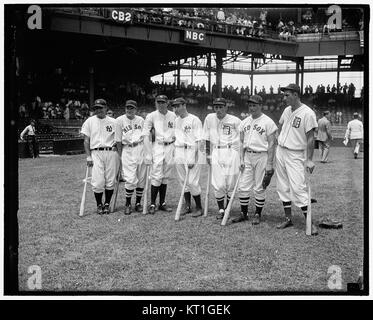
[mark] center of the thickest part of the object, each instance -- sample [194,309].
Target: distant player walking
[161,152]
[188,132]
[257,134]
[354,132]
[31,139]
[222,136]
[130,145]
[294,153]
[324,136]
[102,156]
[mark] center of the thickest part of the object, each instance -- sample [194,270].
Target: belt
[227,146]
[185,146]
[252,151]
[106,149]
[165,143]
[133,144]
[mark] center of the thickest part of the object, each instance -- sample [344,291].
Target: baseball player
[222,139]
[188,134]
[129,139]
[102,154]
[160,153]
[294,153]
[257,134]
[354,133]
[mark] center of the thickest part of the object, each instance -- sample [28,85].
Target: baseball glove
[267,178]
[328,223]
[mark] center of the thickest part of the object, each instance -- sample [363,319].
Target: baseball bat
[309,211]
[82,203]
[114,200]
[145,203]
[178,210]
[207,192]
[228,209]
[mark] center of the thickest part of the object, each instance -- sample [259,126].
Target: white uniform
[188,131]
[224,137]
[355,132]
[290,154]
[163,146]
[255,144]
[101,133]
[129,133]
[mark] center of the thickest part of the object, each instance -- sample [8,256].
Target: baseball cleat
[164,207]
[100,209]
[242,217]
[138,207]
[314,230]
[106,209]
[186,211]
[128,210]
[220,214]
[151,209]
[197,213]
[256,219]
[287,223]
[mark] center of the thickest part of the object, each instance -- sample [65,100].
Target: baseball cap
[99,103]
[178,101]
[255,99]
[161,98]
[131,103]
[220,101]
[291,87]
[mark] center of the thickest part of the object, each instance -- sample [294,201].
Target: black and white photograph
[184,149]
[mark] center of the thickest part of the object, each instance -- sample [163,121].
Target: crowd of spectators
[235,21]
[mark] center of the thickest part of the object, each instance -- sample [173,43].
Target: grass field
[155,253]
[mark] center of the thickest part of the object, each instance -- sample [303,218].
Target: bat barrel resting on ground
[82,203]
[178,210]
[228,209]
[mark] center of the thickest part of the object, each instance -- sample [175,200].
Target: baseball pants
[182,158]
[104,171]
[290,174]
[133,167]
[252,176]
[225,165]
[324,149]
[355,143]
[162,163]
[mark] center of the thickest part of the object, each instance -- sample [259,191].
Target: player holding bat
[257,133]
[188,132]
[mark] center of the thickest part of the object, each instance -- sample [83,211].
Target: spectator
[32,146]
[66,113]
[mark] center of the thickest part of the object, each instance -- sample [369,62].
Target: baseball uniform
[188,131]
[255,143]
[290,155]
[129,133]
[101,133]
[224,140]
[163,146]
[355,132]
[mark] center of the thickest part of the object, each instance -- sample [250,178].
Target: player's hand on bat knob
[190,166]
[242,165]
[148,159]
[310,166]
[89,162]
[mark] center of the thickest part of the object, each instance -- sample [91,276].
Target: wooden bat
[228,209]
[309,210]
[82,203]
[114,200]
[207,192]
[145,203]
[178,210]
